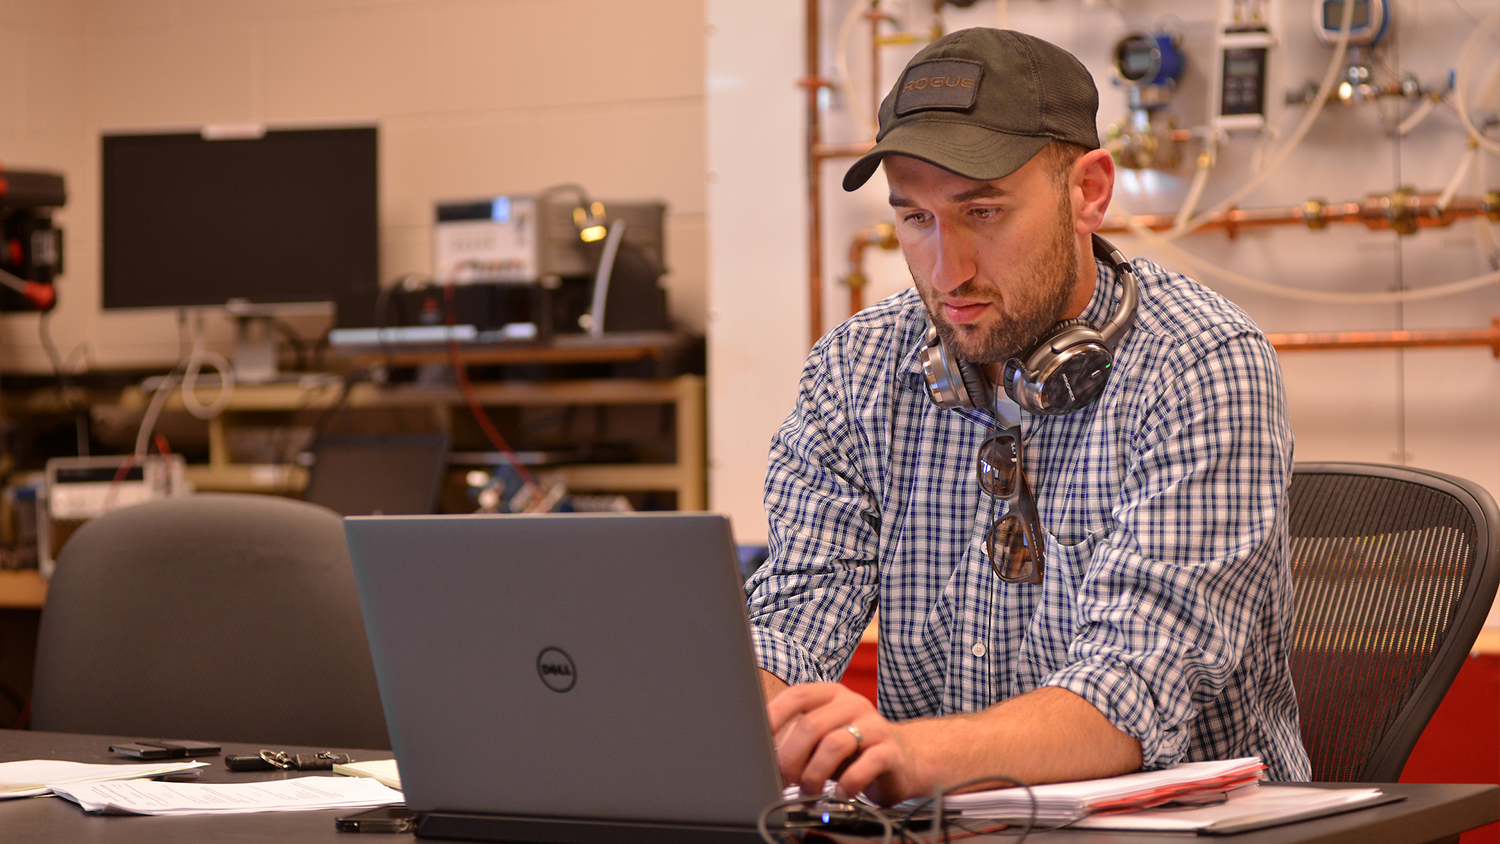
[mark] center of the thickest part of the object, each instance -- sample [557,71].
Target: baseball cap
[981,102]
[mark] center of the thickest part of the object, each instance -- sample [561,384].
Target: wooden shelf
[23,589]
[685,475]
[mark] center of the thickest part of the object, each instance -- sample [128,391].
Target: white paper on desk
[171,798]
[31,777]
[1064,802]
[1247,804]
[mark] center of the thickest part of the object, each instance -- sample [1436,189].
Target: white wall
[1433,408]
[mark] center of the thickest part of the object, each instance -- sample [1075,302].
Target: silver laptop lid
[570,666]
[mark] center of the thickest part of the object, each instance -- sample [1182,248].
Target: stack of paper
[144,797]
[36,776]
[1066,802]
[1246,809]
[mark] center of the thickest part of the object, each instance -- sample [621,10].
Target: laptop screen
[587,667]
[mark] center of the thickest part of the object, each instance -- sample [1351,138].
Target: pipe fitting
[1315,214]
[1396,210]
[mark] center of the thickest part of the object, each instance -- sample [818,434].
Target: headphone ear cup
[976,386]
[951,382]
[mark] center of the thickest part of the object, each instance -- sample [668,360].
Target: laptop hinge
[538,830]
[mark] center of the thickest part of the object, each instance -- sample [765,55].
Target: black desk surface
[1429,812]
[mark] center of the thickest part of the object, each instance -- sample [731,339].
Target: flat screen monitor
[278,219]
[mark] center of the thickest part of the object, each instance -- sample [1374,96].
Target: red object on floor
[1462,741]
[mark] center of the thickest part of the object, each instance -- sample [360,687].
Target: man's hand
[825,731]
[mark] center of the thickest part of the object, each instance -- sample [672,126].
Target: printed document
[145,797]
[36,776]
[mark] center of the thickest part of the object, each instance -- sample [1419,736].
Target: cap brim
[973,152]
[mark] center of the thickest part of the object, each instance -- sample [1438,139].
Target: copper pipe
[1403,211]
[882,235]
[875,16]
[826,151]
[1391,339]
[813,84]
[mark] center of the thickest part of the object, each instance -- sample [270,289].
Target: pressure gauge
[1148,59]
[1368,22]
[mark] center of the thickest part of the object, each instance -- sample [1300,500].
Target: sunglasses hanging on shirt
[1014,542]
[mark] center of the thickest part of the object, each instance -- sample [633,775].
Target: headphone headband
[1124,316]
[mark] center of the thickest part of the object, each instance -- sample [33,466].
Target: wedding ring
[859,737]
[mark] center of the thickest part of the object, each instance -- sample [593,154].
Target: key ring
[277,758]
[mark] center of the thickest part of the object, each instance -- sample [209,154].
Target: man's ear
[1092,183]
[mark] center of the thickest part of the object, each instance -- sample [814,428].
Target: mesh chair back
[1394,570]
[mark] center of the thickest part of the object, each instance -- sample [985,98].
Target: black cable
[323,421]
[384,299]
[839,815]
[298,344]
[65,386]
[822,808]
[320,348]
[937,801]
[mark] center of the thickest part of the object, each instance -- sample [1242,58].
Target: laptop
[383,473]
[581,677]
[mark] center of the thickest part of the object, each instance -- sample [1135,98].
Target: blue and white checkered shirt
[1167,596]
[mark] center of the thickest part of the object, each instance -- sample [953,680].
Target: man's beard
[1039,297]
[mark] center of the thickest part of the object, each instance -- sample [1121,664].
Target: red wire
[472,400]
[130,460]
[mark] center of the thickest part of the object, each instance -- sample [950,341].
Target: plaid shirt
[1167,596]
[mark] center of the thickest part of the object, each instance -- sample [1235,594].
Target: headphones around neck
[1064,372]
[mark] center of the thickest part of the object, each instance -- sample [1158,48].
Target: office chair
[228,617]
[1394,569]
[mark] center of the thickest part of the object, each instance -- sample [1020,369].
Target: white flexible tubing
[153,410]
[1324,90]
[1207,268]
[841,61]
[1195,189]
[1486,233]
[1470,153]
[190,379]
[1417,115]
[1466,56]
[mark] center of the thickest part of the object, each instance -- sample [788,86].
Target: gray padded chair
[209,617]
[1394,569]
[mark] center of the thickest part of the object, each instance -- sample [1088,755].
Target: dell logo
[556,669]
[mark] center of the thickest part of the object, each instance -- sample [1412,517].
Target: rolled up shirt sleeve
[810,601]
[1190,588]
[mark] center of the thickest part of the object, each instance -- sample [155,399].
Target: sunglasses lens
[997,466]
[1011,553]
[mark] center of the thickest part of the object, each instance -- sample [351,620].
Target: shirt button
[978,649]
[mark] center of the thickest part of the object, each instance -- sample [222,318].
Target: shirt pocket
[1054,623]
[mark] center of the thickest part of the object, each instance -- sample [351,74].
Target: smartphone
[163,749]
[380,819]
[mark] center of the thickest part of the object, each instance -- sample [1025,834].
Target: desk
[1429,812]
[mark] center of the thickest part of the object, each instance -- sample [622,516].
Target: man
[1091,587]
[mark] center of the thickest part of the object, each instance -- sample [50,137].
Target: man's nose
[953,258]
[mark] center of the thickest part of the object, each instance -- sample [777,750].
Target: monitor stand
[254,348]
